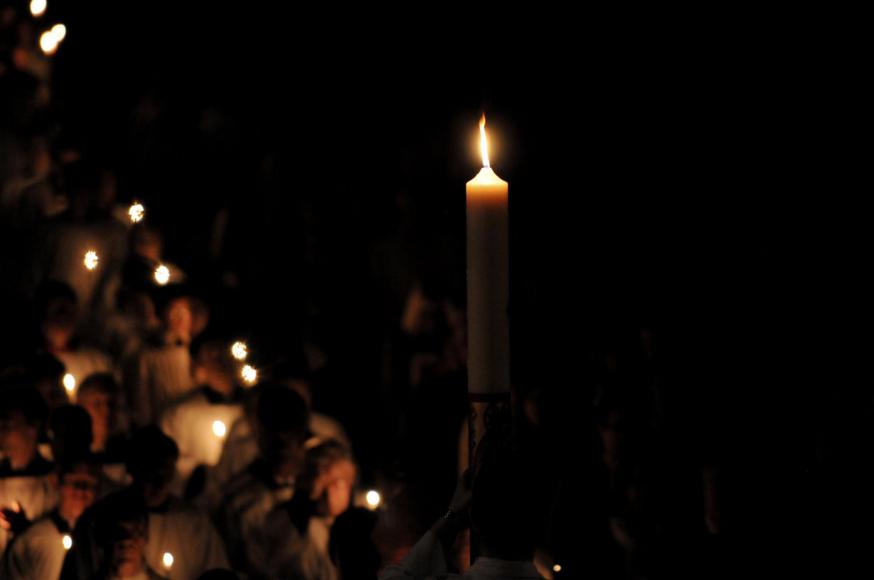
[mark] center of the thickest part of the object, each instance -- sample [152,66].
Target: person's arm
[428,556]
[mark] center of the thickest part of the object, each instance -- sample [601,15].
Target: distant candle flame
[219,429]
[136,212]
[556,568]
[239,350]
[48,42]
[483,142]
[38,7]
[162,275]
[249,374]
[167,560]
[67,541]
[373,499]
[91,259]
[69,382]
[60,32]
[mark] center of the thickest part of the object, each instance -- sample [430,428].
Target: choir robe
[82,363]
[176,527]
[281,551]
[38,553]
[159,376]
[242,515]
[31,487]
[189,422]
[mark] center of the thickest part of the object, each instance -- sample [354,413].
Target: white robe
[181,530]
[37,554]
[35,494]
[281,551]
[159,376]
[189,422]
[243,515]
[82,363]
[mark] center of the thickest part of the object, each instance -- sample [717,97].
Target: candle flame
[483,141]
[239,350]
[60,32]
[38,7]
[136,212]
[556,568]
[162,275]
[373,499]
[167,560]
[219,429]
[67,541]
[91,259]
[69,382]
[249,374]
[48,42]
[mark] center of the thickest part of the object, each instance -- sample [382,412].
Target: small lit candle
[239,350]
[167,560]
[48,42]
[162,275]
[38,7]
[69,382]
[91,260]
[136,212]
[488,278]
[373,499]
[249,374]
[60,32]
[67,541]
[219,429]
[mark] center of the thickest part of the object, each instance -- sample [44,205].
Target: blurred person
[190,421]
[67,238]
[57,310]
[352,547]
[38,553]
[173,526]
[122,536]
[487,499]
[281,432]
[26,489]
[294,539]
[161,372]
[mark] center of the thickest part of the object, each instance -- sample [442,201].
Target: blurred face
[16,434]
[282,451]
[156,487]
[128,548]
[177,317]
[77,491]
[58,323]
[99,407]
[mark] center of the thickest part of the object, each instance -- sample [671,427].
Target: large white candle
[488,279]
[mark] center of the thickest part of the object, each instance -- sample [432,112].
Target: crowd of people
[139,439]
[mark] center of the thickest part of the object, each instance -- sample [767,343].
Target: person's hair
[281,410]
[81,177]
[99,382]
[148,450]
[70,425]
[118,510]
[215,349]
[87,463]
[50,291]
[351,545]
[23,398]
[318,459]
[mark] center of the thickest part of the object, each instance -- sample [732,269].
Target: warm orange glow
[483,141]
[373,499]
[136,212]
[69,382]
[167,560]
[38,7]
[162,275]
[60,32]
[91,259]
[239,350]
[67,541]
[48,42]
[249,374]
[219,429]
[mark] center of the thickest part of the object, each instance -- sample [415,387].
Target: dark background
[691,177]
